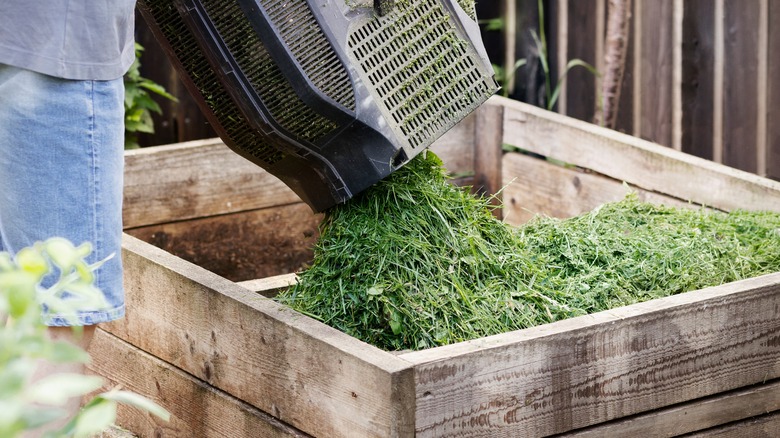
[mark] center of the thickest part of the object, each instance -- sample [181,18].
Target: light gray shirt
[71,39]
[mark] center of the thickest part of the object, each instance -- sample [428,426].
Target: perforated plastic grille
[186,49]
[303,36]
[420,68]
[287,109]
[469,7]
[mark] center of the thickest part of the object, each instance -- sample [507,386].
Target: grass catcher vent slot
[326,95]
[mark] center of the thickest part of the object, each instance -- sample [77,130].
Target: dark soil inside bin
[242,246]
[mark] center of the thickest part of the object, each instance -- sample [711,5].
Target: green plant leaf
[32,262]
[139,103]
[23,340]
[94,418]
[65,352]
[519,63]
[138,401]
[63,253]
[58,388]
[494,24]
[19,288]
[6,262]
[13,377]
[36,416]
[570,65]
[11,413]
[157,89]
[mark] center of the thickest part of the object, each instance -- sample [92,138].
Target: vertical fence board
[657,70]
[625,110]
[581,85]
[551,24]
[558,60]
[698,77]
[739,88]
[773,95]
[493,39]
[530,77]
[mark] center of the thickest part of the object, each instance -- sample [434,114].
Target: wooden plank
[456,148]
[195,179]
[537,187]
[765,426]
[302,372]
[640,163]
[197,409]
[695,415]
[698,77]
[625,110]
[494,40]
[241,246]
[773,93]
[762,86]
[509,14]
[740,91]
[587,370]
[655,62]
[204,178]
[529,79]
[581,44]
[487,156]
[717,82]
[268,286]
[558,62]
[677,41]
[637,80]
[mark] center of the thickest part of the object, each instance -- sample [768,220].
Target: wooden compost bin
[229,362]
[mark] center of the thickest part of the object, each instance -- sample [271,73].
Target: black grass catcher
[330,96]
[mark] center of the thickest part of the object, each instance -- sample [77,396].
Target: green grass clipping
[416,262]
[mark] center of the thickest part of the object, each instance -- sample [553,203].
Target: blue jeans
[61,169]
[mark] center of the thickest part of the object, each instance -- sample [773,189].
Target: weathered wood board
[707,413]
[684,364]
[198,409]
[584,371]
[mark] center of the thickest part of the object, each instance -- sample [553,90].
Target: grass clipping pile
[416,262]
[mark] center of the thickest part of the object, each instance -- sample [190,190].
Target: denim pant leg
[61,169]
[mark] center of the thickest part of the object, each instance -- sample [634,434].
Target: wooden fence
[700,74]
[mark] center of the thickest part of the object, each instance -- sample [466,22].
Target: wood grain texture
[694,416]
[300,371]
[197,409]
[583,371]
[268,286]
[193,180]
[625,109]
[655,62]
[740,92]
[488,150]
[537,187]
[241,246]
[773,93]
[581,44]
[456,147]
[640,163]
[550,379]
[204,178]
[698,77]
[764,426]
